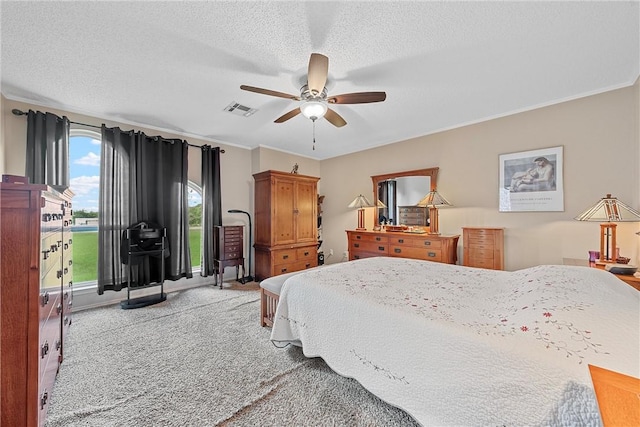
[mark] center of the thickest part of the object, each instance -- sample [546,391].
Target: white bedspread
[454,345]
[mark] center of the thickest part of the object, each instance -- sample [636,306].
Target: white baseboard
[85,295]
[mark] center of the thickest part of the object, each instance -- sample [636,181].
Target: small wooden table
[631,279]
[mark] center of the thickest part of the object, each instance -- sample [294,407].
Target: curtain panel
[47,159]
[142,178]
[211,207]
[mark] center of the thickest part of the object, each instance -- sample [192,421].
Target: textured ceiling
[175,66]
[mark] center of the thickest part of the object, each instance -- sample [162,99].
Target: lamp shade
[360,202]
[434,199]
[610,209]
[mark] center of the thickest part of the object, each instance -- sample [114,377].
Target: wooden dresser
[286,235]
[35,298]
[365,244]
[229,249]
[483,247]
[413,215]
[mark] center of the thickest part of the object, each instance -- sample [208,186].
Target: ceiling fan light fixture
[313,108]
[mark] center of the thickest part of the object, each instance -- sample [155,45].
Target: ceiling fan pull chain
[314,135]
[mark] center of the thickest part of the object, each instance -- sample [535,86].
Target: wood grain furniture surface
[35,298]
[618,397]
[229,249]
[632,280]
[286,233]
[483,247]
[438,248]
[413,215]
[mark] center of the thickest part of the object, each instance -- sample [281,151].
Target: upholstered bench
[270,294]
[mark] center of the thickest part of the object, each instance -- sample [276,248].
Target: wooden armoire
[286,235]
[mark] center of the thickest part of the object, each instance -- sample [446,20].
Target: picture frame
[531,181]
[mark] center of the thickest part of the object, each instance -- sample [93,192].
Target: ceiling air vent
[239,109]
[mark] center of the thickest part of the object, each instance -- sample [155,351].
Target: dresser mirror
[401,189]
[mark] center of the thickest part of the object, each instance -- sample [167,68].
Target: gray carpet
[200,359]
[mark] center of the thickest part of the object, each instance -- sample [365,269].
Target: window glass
[84,174]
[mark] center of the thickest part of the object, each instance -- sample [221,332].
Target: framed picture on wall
[531,181]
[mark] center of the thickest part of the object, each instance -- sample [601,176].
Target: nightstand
[631,279]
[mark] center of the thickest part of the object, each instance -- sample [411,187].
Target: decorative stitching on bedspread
[387,373]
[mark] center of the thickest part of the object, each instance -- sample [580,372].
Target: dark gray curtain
[142,178]
[48,149]
[211,207]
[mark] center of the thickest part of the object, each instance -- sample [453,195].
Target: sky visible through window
[84,174]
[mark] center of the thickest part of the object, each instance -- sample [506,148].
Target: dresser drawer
[361,255]
[294,266]
[482,263]
[284,256]
[476,253]
[369,238]
[429,254]
[303,254]
[407,239]
[368,246]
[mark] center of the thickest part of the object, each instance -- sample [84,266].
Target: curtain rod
[17,112]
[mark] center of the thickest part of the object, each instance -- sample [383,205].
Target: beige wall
[600,135]
[601,155]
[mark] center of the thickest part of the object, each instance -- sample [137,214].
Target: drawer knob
[397,250]
[44,299]
[306,253]
[400,240]
[427,243]
[431,254]
[356,245]
[43,399]
[378,238]
[381,248]
[285,256]
[44,350]
[358,237]
[283,270]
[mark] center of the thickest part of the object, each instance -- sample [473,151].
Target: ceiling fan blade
[318,71]
[357,98]
[270,92]
[334,118]
[288,115]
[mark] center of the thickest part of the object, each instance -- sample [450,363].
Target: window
[195,222]
[84,174]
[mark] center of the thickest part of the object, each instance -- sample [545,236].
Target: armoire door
[305,212]
[284,215]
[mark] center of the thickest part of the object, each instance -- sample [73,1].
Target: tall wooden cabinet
[35,297]
[483,247]
[286,235]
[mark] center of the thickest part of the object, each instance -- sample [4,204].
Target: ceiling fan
[314,98]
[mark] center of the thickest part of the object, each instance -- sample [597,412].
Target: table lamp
[608,211]
[433,200]
[360,202]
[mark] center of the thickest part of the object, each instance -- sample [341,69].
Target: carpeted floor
[200,359]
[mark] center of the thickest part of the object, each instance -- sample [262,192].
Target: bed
[455,345]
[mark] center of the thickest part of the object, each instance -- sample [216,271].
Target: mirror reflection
[397,195]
